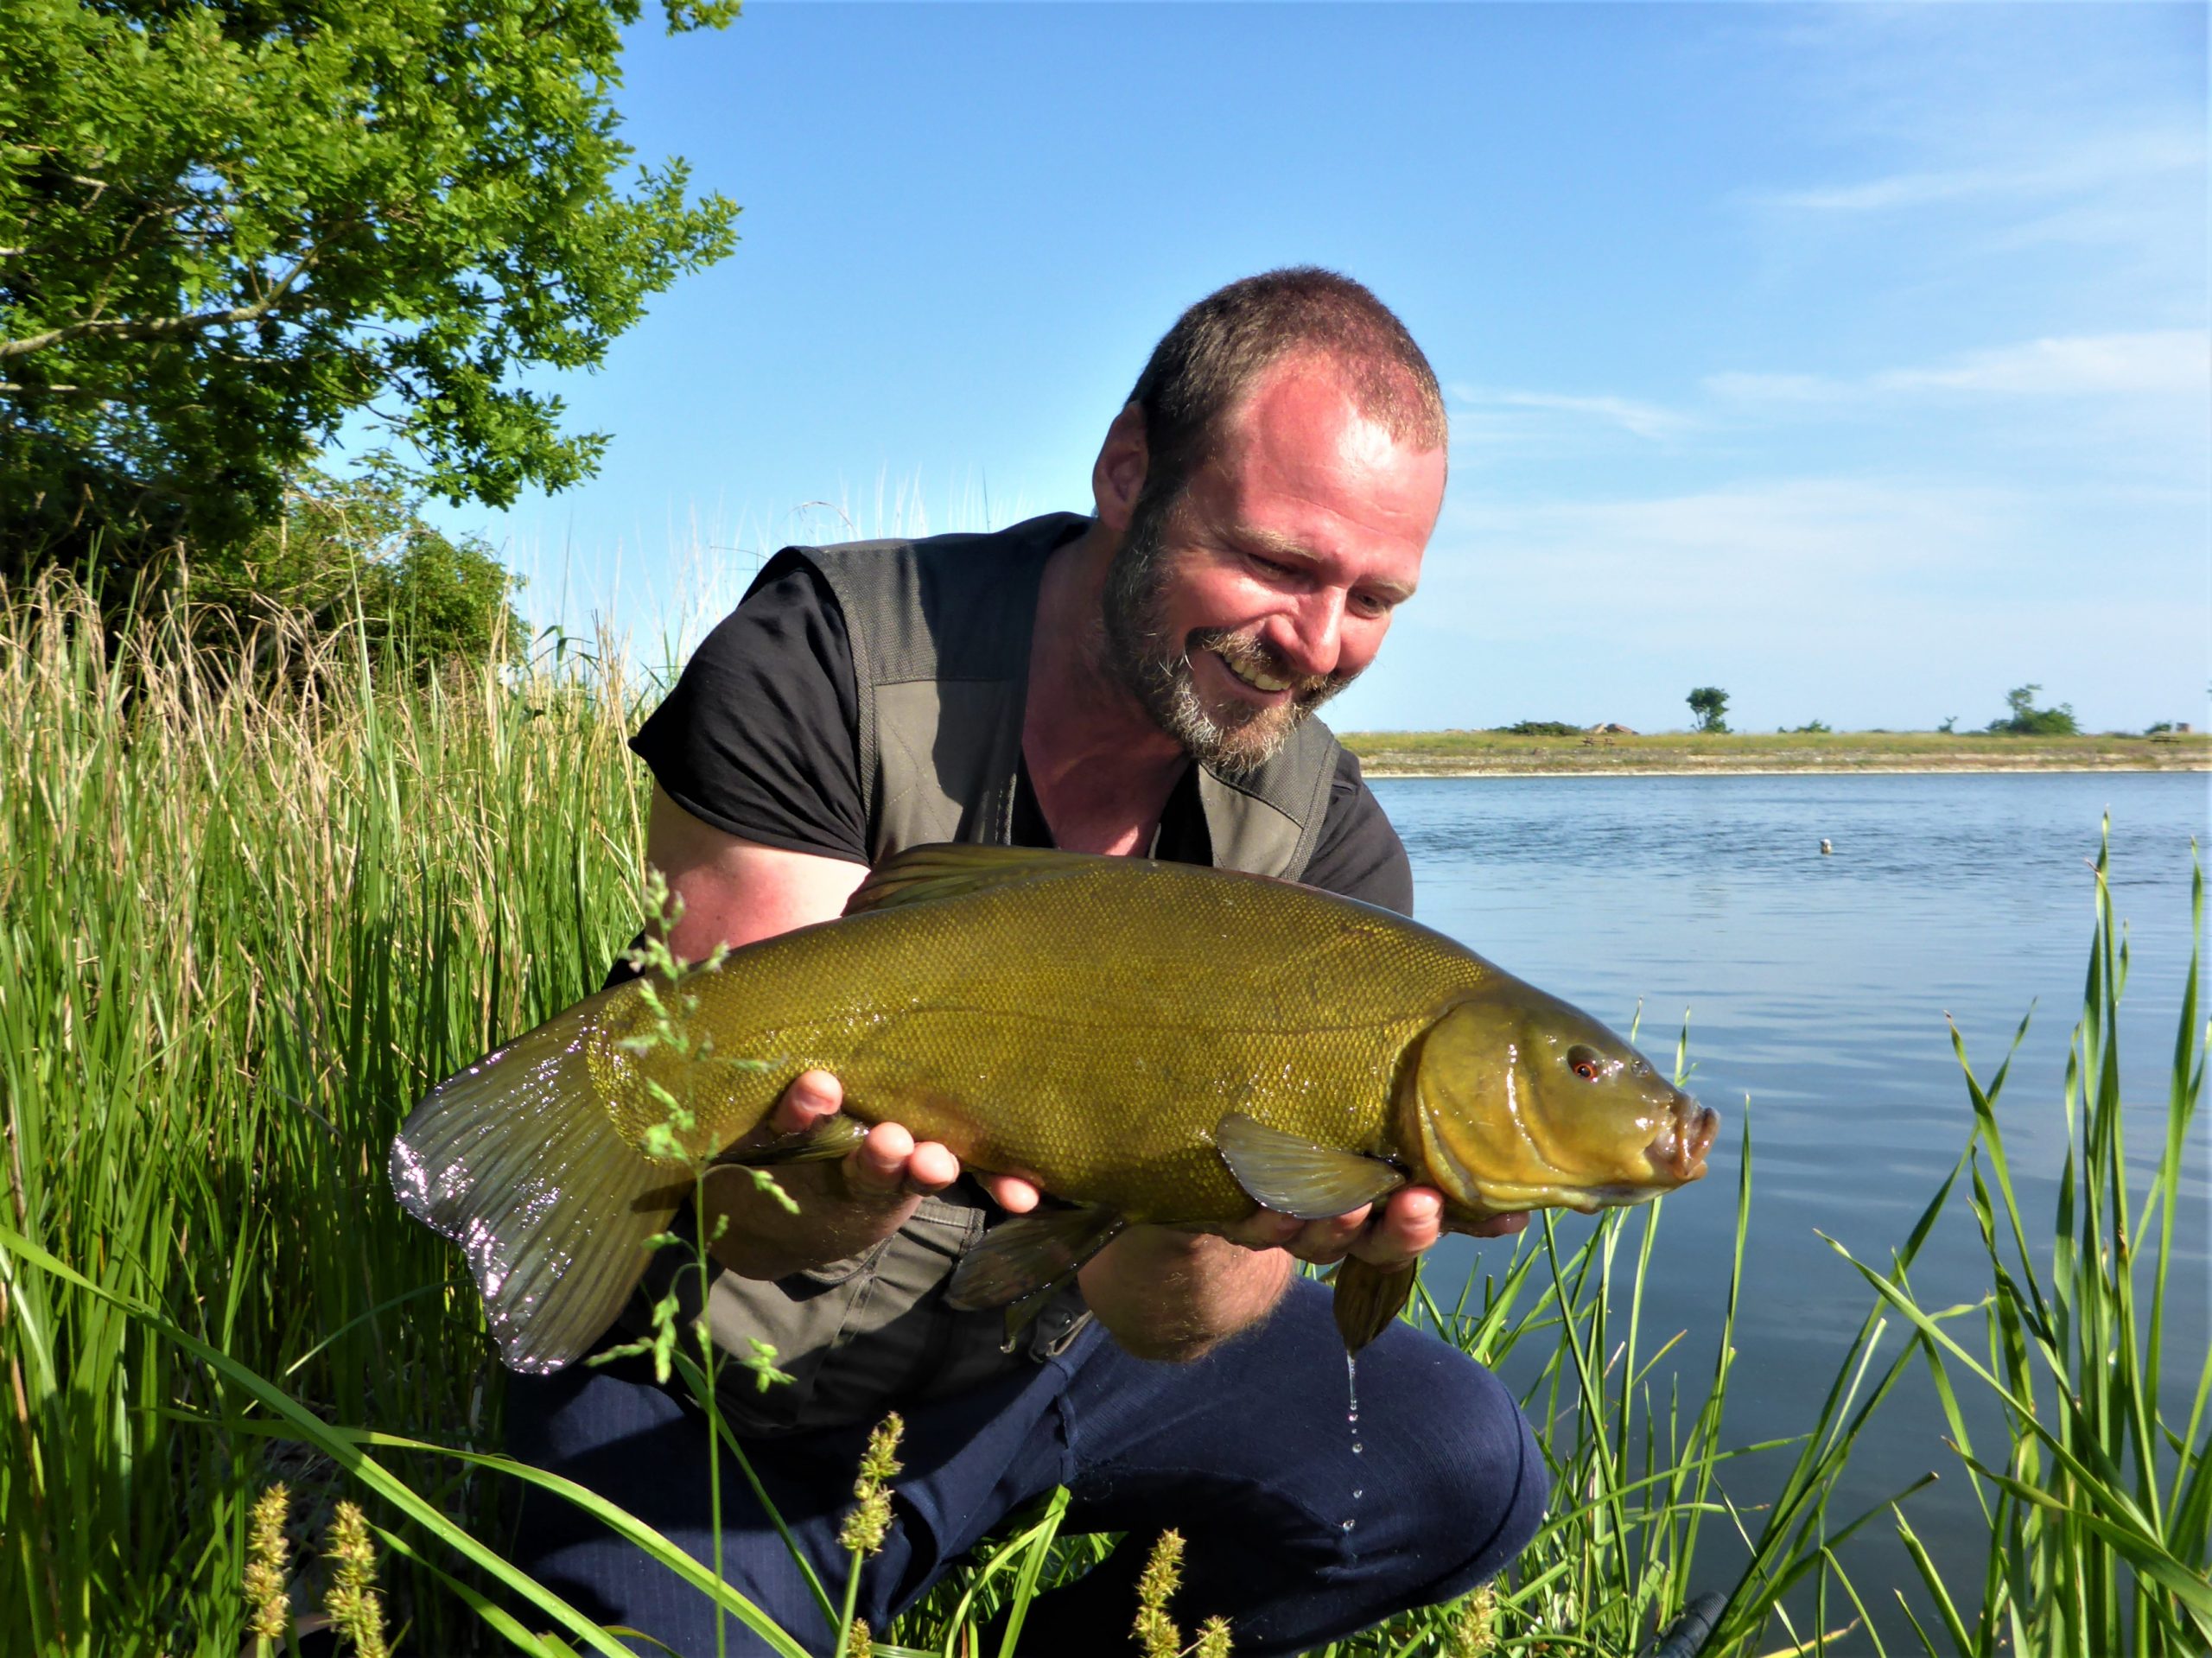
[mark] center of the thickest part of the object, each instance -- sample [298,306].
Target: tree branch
[160,328]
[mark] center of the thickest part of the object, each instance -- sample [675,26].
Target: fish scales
[1101,1071]
[1154,1041]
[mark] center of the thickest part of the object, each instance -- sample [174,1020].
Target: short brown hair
[1221,346]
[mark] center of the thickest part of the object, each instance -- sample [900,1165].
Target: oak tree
[228,226]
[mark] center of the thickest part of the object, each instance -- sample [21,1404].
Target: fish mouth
[1680,1147]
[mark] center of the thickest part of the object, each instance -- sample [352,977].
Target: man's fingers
[812,1095]
[1015,1193]
[890,1163]
[877,1166]
[1409,1222]
[931,1168]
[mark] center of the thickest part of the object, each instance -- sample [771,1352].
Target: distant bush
[342,543]
[1539,728]
[1809,727]
[2028,721]
[2159,728]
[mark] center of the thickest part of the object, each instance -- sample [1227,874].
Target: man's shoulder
[889,558]
[945,606]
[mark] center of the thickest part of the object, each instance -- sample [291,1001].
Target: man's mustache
[1244,651]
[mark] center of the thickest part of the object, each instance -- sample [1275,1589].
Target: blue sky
[1853,358]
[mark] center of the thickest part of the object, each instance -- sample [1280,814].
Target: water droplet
[1356,1495]
[1348,1525]
[1356,1448]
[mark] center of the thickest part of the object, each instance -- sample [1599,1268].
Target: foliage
[1810,728]
[357,547]
[244,921]
[2099,1502]
[1539,728]
[225,227]
[1709,703]
[1949,726]
[2026,720]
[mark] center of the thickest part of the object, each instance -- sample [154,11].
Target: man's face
[1265,585]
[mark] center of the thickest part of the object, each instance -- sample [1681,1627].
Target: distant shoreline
[1399,754]
[1379,772]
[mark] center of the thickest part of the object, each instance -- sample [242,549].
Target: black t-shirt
[759,738]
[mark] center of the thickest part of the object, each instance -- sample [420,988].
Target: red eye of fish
[1585,1065]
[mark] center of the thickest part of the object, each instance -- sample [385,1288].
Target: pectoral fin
[1028,1254]
[829,1138]
[1368,1298]
[1297,1177]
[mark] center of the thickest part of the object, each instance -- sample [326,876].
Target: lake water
[1817,986]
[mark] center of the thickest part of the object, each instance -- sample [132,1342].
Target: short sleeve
[757,736]
[1359,854]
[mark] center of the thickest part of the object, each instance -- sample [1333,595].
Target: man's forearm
[1167,1294]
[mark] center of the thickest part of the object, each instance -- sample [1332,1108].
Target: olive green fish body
[1101,1071]
[1157,1042]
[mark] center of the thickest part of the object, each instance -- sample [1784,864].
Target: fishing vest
[940,632]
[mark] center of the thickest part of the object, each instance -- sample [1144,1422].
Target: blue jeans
[1247,1451]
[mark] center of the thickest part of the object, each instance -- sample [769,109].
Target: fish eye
[1587,1063]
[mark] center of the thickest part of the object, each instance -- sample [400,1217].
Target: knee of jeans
[1491,1491]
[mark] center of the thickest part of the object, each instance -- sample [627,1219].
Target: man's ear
[1117,476]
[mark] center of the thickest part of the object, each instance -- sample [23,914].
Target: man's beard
[1156,669]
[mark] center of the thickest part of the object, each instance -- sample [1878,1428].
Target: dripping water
[1351,1419]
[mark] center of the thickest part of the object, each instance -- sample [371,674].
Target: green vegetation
[1446,754]
[246,919]
[228,228]
[1539,728]
[1709,703]
[2025,720]
[348,549]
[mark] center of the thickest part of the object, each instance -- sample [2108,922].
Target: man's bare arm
[736,892]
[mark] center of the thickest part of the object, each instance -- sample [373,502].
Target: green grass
[244,925]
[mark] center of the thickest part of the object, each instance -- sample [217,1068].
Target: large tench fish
[1152,1042]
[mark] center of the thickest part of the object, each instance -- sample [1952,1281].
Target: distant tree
[2026,720]
[1950,721]
[1811,728]
[1709,703]
[226,226]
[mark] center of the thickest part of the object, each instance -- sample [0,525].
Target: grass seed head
[353,1603]
[1155,1631]
[269,1611]
[869,1523]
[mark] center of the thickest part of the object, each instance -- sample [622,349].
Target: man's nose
[1311,641]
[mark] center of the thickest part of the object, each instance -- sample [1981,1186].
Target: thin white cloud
[2170,361]
[2154,363]
[2096,165]
[1648,421]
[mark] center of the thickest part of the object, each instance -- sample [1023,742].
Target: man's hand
[846,1206]
[1166,1293]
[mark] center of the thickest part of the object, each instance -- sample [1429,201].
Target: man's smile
[1249,673]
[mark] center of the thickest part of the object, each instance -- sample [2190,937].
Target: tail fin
[516,1160]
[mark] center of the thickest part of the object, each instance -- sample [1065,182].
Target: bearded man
[1136,683]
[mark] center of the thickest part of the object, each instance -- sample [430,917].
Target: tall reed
[244,921]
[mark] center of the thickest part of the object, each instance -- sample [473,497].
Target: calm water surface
[1817,988]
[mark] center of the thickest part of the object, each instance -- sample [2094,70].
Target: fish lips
[1678,1148]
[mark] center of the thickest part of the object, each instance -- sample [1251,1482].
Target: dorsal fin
[955,869]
